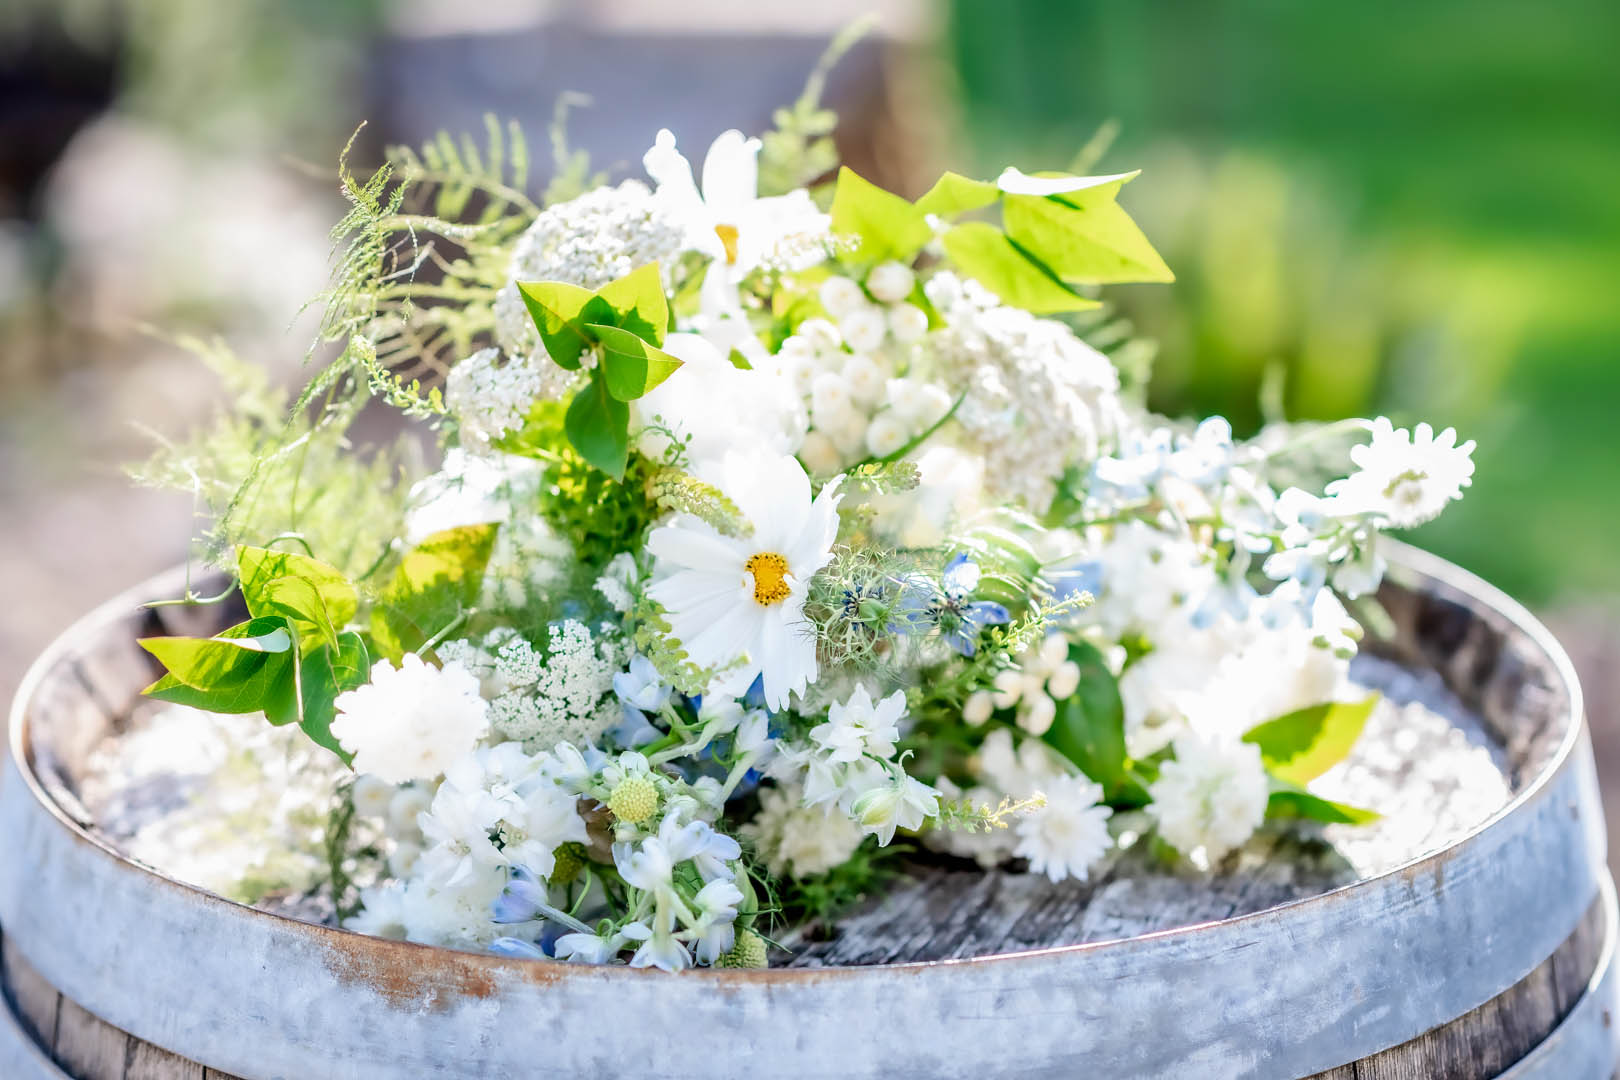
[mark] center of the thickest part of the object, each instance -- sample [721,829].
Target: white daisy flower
[411,722]
[1405,477]
[737,604]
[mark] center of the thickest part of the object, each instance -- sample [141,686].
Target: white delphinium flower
[1211,798]
[1404,478]
[860,726]
[794,838]
[1145,581]
[903,802]
[641,687]
[1067,836]
[589,241]
[591,948]
[1038,398]
[410,722]
[736,604]
[457,828]
[712,407]
[489,399]
[713,933]
[727,220]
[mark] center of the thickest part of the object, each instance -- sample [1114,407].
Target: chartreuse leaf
[954,194]
[886,226]
[1084,235]
[240,670]
[598,424]
[555,307]
[436,583]
[638,303]
[1089,728]
[1302,745]
[983,252]
[324,674]
[316,598]
[1291,802]
[631,366]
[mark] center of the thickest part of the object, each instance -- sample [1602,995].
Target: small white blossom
[890,282]
[1067,836]
[1211,797]
[1404,477]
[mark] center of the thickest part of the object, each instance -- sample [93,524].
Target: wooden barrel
[1488,957]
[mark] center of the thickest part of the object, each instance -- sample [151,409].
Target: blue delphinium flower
[960,619]
[522,900]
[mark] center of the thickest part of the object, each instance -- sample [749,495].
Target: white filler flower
[737,604]
[411,722]
[1211,798]
[1404,477]
[1067,836]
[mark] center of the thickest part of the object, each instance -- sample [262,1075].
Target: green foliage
[1302,745]
[1084,236]
[316,599]
[571,174]
[1290,803]
[1089,729]
[884,226]
[986,254]
[954,194]
[881,478]
[820,898]
[800,150]
[624,323]
[435,586]
[290,660]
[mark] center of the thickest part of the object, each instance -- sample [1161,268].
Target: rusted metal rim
[1290,970]
[1586,1043]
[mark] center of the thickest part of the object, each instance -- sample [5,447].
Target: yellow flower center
[728,240]
[770,577]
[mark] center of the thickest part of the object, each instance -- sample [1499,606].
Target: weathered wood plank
[148,1062]
[88,1047]
[35,1001]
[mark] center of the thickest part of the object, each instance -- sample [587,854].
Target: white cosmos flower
[736,604]
[1404,477]
[727,220]
[411,722]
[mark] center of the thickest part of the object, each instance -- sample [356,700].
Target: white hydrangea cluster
[849,371]
[563,694]
[589,241]
[793,838]
[489,398]
[1038,398]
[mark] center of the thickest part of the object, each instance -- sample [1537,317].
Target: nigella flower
[961,620]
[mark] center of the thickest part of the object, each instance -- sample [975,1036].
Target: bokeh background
[1376,207]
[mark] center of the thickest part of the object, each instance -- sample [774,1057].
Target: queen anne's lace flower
[489,399]
[410,722]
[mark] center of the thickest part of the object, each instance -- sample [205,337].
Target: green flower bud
[747,952]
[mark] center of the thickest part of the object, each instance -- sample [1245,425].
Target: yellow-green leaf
[436,583]
[1302,745]
[638,303]
[954,194]
[630,365]
[1084,236]
[982,252]
[598,424]
[555,307]
[885,226]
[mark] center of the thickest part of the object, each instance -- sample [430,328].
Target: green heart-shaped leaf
[555,307]
[598,424]
[630,365]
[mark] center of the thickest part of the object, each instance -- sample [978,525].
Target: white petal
[730,173]
[698,548]
[1015,182]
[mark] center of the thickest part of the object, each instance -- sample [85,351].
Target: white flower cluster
[1038,399]
[410,722]
[564,694]
[1044,676]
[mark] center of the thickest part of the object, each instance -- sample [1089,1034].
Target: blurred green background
[1405,207]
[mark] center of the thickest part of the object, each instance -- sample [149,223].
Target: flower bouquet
[779,528]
